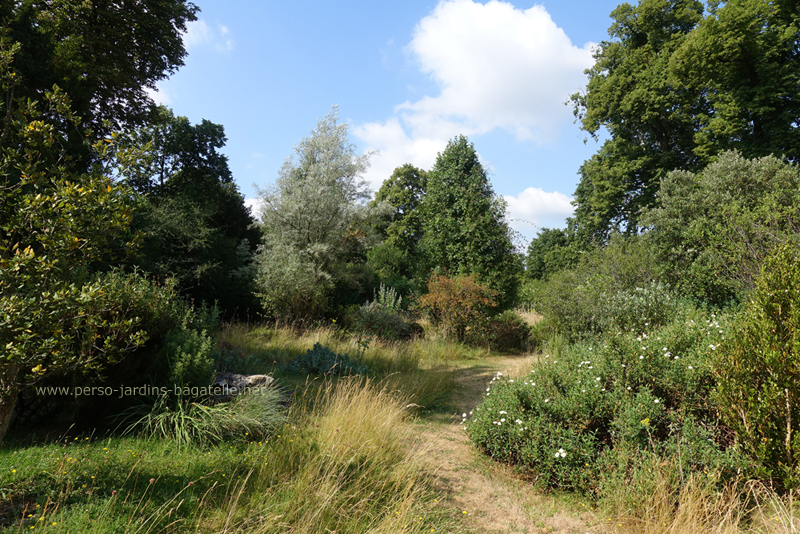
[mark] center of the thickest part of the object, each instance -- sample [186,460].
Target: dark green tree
[194,222]
[650,119]
[395,259]
[676,86]
[552,250]
[103,54]
[464,221]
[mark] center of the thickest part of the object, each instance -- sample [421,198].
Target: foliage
[506,332]
[388,298]
[191,357]
[314,217]
[103,56]
[191,215]
[757,369]
[464,221]
[579,412]
[289,285]
[551,251]
[404,191]
[674,88]
[323,361]
[57,227]
[376,319]
[457,305]
[714,228]
[614,287]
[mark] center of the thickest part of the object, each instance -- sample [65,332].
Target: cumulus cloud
[159,95]
[199,33]
[254,205]
[535,208]
[496,67]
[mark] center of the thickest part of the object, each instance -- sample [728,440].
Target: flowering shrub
[567,420]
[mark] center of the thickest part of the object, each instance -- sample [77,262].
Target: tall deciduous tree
[676,86]
[464,222]
[104,54]
[651,120]
[195,224]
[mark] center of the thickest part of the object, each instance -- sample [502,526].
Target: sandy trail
[494,498]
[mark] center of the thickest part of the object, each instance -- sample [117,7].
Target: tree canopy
[675,86]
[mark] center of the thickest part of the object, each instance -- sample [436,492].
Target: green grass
[347,458]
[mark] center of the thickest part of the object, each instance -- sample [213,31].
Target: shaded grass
[347,460]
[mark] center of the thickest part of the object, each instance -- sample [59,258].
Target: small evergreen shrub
[388,298]
[758,368]
[323,361]
[191,357]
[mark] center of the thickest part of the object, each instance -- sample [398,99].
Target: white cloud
[496,66]
[159,95]
[254,204]
[535,208]
[199,33]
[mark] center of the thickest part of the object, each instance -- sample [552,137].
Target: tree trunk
[9,393]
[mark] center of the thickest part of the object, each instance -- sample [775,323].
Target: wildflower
[561,453]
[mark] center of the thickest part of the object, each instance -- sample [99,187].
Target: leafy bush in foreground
[758,371]
[580,411]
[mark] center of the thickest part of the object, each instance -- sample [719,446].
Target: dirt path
[494,499]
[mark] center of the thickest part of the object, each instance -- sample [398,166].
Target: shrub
[712,230]
[758,370]
[323,361]
[375,319]
[613,288]
[625,391]
[506,332]
[191,357]
[457,305]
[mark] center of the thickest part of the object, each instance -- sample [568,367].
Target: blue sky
[407,76]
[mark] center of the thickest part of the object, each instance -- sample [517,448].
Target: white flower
[503,420]
[503,412]
[547,400]
[641,357]
[656,401]
[561,453]
[598,378]
[690,367]
[464,415]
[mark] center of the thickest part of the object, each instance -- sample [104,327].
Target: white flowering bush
[567,421]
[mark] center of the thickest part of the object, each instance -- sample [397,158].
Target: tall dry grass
[366,471]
